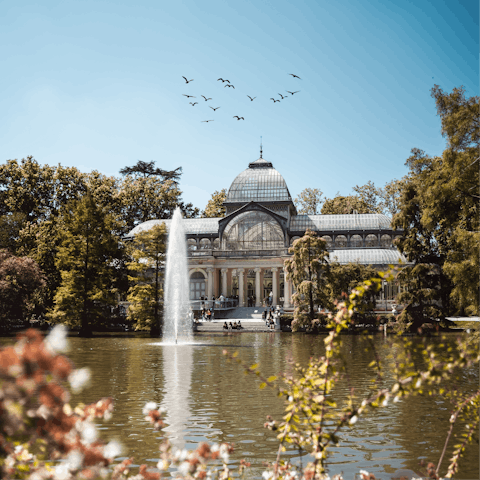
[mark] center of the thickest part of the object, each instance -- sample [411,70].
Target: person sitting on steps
[225,326]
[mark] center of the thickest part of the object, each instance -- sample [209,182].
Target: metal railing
[228,303]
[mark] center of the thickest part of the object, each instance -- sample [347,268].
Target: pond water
[210,399]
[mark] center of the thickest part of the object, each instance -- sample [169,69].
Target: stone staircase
[217,326]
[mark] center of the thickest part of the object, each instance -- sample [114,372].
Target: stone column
[258,300]
[224,281]
[288,292]
[274,285]
[210,285]
[241,299]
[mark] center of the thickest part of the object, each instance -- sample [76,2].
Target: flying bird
[292,92]
[251,99]
[229,86]
[193,104]
[223,81]
[274,100]
[282,96]
[206,99]
[188,96]
[216,108]
[294,76]
[238,118]
[206,121]
[188,81]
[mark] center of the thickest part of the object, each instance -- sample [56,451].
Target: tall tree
[86,260]
[309,271]
[340,205]
[215,208]
[344,278]
[309,201]
[147,253]
[390,196]
[370,195]
[21,282]
[147,169]
[149,193]
[440,206]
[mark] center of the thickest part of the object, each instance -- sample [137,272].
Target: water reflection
[210,399]
[177,373]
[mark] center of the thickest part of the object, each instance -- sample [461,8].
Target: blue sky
[98,85]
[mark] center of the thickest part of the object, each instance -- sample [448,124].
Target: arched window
[205,244]
[328,239]
[253,231]
[371,241]
[191,244]
[293,239]
[340,241]
[356,241]
[197,286]
[216,244]
[386,241]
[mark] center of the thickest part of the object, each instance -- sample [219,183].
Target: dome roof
[260,182]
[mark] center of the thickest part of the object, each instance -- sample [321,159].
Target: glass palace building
[242,254]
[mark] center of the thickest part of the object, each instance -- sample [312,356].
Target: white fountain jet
[177,324]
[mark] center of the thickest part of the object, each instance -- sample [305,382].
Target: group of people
[269,316]
[235,326]
[207,314]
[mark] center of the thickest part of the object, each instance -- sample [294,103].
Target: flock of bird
[229,84]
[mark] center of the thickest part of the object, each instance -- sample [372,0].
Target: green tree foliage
[149,193]
[309,201]
[344,205]
[309,271]
[439,206]
[344,278]
[215,208]
[86,259]
[10,227]
[147,253]
[391,195]
[370,195]
[21,283]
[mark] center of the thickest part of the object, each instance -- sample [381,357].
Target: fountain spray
[177,293]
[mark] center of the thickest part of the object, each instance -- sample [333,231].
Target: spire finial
[261,149]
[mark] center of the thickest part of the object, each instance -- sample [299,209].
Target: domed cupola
[260,183]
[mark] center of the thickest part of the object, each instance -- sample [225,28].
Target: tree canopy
[146,266]
[309,201]
[86,259]
[215,208]
[309,271]
[439,208]
[21,283]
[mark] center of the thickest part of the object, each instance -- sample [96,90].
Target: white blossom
[56,340]
[112,449]
[184,469]
[163,465]
[79,378]
[74,460]
[88,431]
[353,420]
[224,453]
[266,475]
[62,472]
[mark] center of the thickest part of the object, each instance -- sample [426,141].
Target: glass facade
[253,231]
[364,221]
[258,185]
